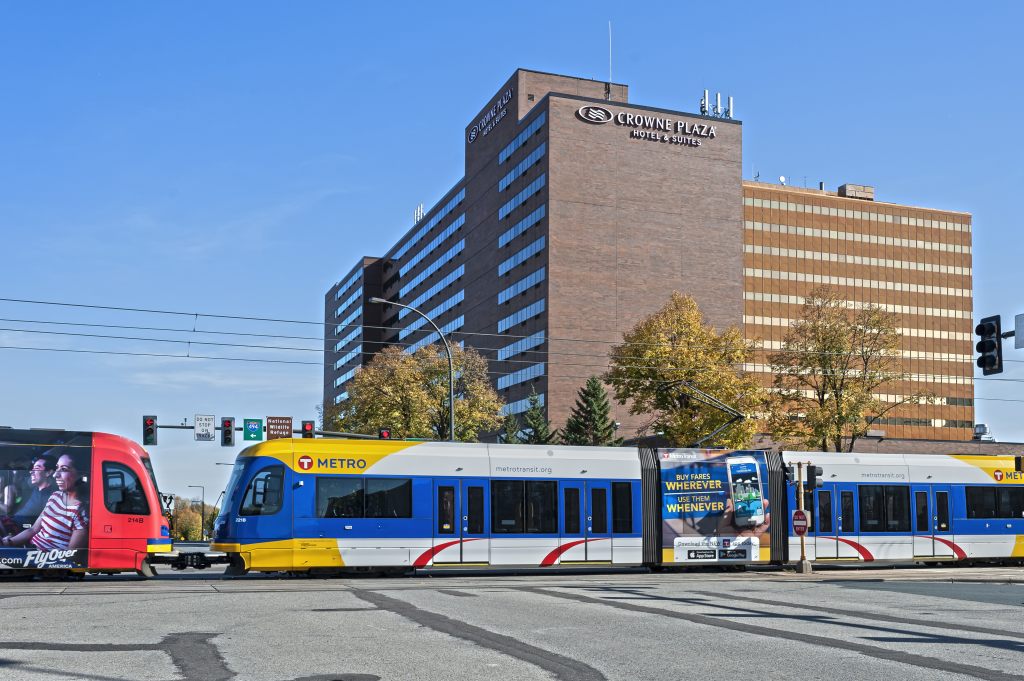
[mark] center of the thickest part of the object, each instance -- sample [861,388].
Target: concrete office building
[579,212]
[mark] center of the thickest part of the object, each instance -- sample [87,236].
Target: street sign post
[204,428]
[279,426]
[799,523]
[252,429]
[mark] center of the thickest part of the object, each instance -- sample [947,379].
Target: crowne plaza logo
[594,114]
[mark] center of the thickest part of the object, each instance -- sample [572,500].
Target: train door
[847,534]
[572,527]
[826,537]
[475,547]
[932,527]
[460,521]
[598,525]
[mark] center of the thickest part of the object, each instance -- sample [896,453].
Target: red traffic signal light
[227,431]
[384,433]
[148,431]
[308,428]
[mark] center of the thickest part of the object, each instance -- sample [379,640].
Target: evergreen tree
[536,429]
[588,422]
[510,430]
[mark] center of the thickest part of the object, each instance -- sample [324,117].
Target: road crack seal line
[192,653]
[870,651]
[564,668]
[878,617]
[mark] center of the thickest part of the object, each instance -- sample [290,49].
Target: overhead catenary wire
[401,343]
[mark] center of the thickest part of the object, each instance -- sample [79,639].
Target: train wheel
[146,570]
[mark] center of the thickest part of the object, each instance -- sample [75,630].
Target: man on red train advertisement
[42,485]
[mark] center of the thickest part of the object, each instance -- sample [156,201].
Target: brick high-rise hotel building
[580,212]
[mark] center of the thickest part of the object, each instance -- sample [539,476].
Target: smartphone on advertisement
[745,490]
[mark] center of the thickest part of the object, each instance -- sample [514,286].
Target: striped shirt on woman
[60,517]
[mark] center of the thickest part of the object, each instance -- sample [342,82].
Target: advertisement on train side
[44,499]
[715,506]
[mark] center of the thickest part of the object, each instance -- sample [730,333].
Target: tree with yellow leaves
[409,394]
[833,362]
[670,353]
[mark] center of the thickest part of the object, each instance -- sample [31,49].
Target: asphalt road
[892,624]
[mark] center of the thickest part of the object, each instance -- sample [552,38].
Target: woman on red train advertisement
[64,522]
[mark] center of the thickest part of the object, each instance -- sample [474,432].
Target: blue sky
[236,158]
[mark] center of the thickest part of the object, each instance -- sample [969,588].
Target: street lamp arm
[451,364]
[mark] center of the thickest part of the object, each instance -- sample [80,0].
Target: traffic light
[990,345]
[148,431]
[227,431]
[308,428]
[384,433]
[813,477]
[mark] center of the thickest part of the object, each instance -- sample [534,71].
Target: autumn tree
[536,427]
[409,394]
[589,422]
[833,363]
[673,355]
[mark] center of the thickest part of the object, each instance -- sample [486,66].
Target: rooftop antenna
[782,180]
[608,89]
[704,104]
[417,214]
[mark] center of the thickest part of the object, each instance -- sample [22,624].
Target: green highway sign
[253,429]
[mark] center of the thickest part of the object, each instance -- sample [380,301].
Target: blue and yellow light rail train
[322,505]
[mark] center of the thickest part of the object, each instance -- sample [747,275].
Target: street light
[451,366]
[202,513]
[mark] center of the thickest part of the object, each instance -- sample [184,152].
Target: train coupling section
[197,560]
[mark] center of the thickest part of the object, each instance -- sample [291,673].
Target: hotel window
[345,323]
[355,333]
[432,337]
[523,284]
[349,356]
[433,314]
[531,310]
[344,287]
[521,226]
[521,138]
[522,196]
[432,267]
[448,280]
[521,257]
[344,377]
[522,167]
[434,243]
[521,376]
[341,397]
[521,345]
[422,231]
[519,406]
[356,295]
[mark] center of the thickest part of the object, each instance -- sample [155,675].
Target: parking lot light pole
[451,366]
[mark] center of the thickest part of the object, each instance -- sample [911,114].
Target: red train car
[79,502]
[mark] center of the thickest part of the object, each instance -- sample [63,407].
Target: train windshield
[231,496]
[152,475]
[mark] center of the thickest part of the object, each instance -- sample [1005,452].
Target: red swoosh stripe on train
[864,553]
[957,551]
[427,555]
[554,555]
